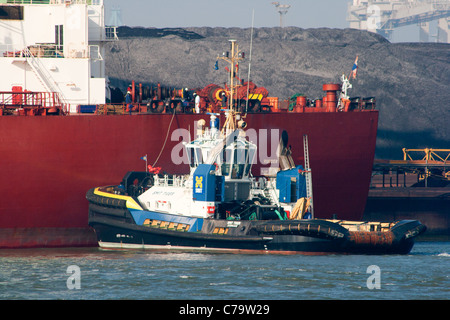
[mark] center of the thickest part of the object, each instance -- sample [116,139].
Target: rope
[299,209]
[165,141]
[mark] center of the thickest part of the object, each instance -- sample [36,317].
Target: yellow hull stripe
[130,202]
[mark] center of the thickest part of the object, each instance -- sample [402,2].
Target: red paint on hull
[46,237]
[48,163]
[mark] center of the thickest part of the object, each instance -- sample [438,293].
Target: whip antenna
[250,62]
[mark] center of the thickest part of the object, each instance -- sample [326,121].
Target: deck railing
[31,103]
[43,50]
[67,2]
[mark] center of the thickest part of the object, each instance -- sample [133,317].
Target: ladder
[308,175]
[271,193]
[43,75]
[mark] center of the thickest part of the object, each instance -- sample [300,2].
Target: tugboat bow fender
[398,240]
[407,229]
[102,198]
[312,228]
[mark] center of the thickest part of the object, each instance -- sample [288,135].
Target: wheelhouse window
[224,160]
[195,156]
[240,157]
[59,36]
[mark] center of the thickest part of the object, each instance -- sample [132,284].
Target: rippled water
[42,274]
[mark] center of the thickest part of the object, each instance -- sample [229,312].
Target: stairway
[44,76]
[308,175]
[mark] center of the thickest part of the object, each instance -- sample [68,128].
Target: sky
[237,13]
[229,13]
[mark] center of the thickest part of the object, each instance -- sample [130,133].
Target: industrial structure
[116,17]
[282,10]
[383,16]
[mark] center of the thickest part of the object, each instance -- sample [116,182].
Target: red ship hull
[47,164]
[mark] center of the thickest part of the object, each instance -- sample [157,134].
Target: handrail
[49,50]
[31,100]
[88,2]
[430,154]
[45,76]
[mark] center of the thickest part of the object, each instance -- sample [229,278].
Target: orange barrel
[301,101]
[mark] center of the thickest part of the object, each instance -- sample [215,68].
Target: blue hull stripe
[140,216]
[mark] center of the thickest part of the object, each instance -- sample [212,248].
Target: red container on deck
[17,98]
[331,98]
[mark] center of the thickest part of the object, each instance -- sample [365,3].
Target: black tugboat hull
[120,227]
[113,235]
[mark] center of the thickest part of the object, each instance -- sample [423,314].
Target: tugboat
[220,207]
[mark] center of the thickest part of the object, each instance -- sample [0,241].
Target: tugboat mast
[233,59]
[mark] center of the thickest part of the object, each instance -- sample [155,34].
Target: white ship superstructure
[384,16]
[55,46]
